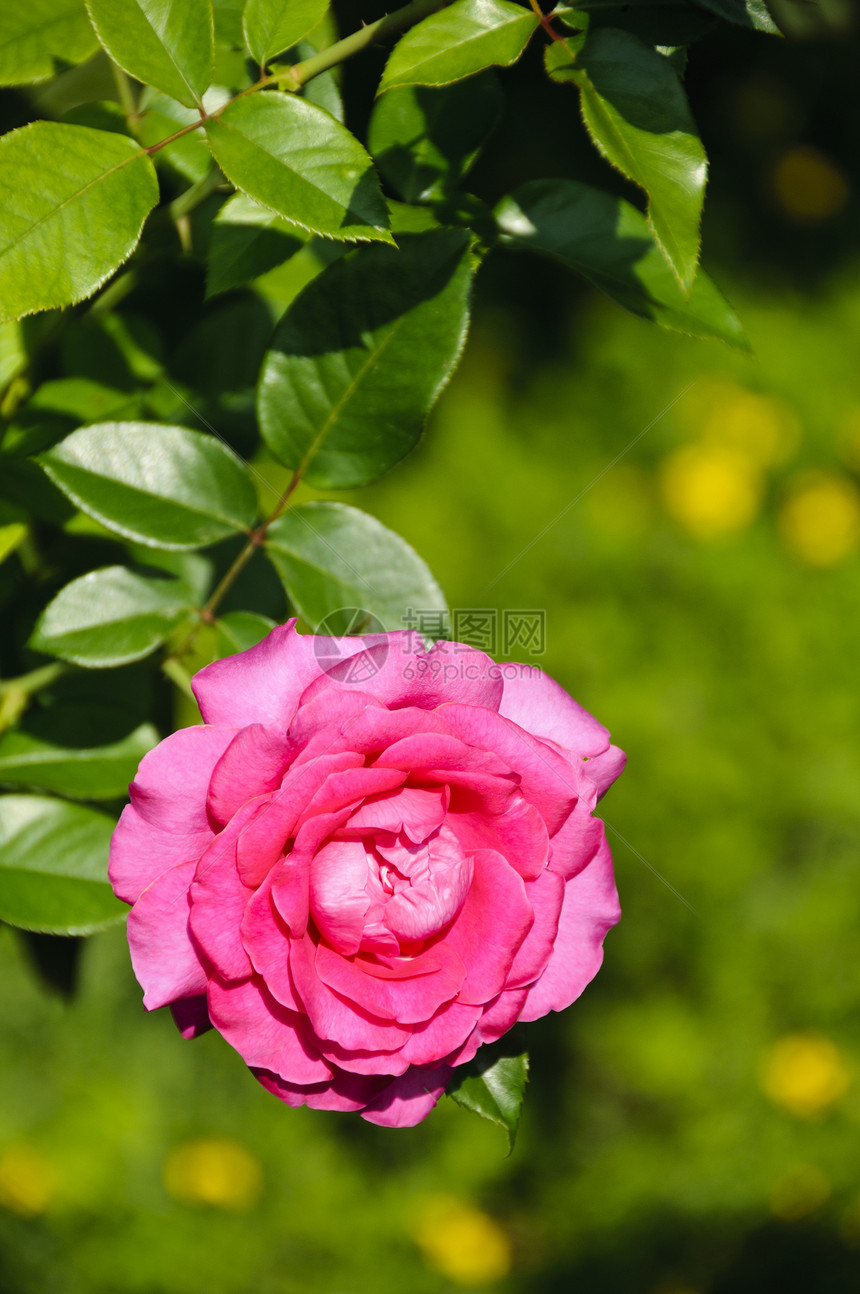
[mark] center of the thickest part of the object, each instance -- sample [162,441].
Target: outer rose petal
[400,674]
[166,822]
[603,769]
[345,1091]
[540,705]
[590,908]
[164,959]
[408,1099]
[253,763]
[264,684]
[265,1034]
[218,902]
[191,1016]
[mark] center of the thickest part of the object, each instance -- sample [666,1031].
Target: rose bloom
[369,861]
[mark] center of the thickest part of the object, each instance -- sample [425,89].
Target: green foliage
[609,242]
[459,41]
[110,617]
[164,486]
[637,114]
[424,139]
[72,205]
[284,298]
[370,343]
[168,46]
[39,37]
[299,162]
[494,1085]
[331,557]
[273,25]
[53,858]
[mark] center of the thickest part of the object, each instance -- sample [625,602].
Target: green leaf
[331,556]
[246,241]
[168,44]
[90,773]
[72,205]
[636,112]
[299,162]
[494,1083]
[746,13]
[271,26]
[608,241]
[38,37]
[53,867]
[164,486]
[239,630]
[424,138]
[462,39]
[110,617]
[362,354]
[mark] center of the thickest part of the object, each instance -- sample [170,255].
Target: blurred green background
[689,519]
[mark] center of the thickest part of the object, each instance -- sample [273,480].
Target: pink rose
[369,861]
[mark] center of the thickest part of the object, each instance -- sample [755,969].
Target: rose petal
[164,959]
[344,1092]
[191,1016]
[333,1018]
[218,902]
[265,1034]
[408,1099]
[408,990]
[493,922]
[253,763]
[589,910]
[535,702]
[519,833]
[604,769]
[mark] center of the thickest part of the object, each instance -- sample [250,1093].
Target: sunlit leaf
[459,40]
[110,617]
[86,773]
[165,486]
[299,162]
[72,205]
[493,1084]
[39,37]
[331,556]
[273,25]
[53,866]
[165,43]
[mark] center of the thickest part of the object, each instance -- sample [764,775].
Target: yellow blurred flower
[820,521]
[710,489]
[763,427]
[214,1171]
[809,186]
[799,1192]
[804,1073]
[462,1242]
[27,1181]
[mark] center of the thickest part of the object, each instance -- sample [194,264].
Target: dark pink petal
[191,1016]
[342,790]
[267,942]
[345,1092]
[262,841]
[497,1018]
[590,908]
[400,673]
[546,896]
[218,901]
[253,763]
[440,749]
[369,1063]
[408,990]
[573,847]
[265,1034]
[162,954]
[140,853]
[492,924]
[548,780]
[408,1099]
[603,769]
[445,1033]
[264,684]
[537,703]
[519,833]
[333,1018]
